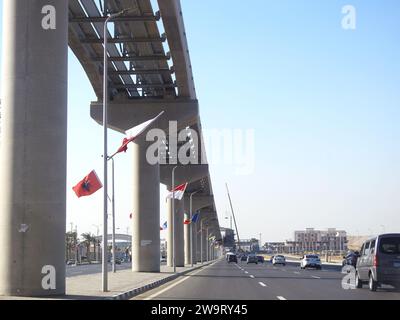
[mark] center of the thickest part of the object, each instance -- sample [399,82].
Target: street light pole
[208,245]
[113,217]
[191,226]
[105,152]
[173,218]
[201,241]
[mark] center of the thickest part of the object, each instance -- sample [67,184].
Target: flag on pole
[164,226]
[88,185]
[178,192]
[124,147]
[134,133]
[195,218]
[187,221]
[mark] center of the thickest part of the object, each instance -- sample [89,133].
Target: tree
[88,239]
[70,243]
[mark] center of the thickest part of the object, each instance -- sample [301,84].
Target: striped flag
[134,133]
[164,226]
[178,192]
[195,218]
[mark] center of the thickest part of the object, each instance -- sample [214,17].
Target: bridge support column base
[33,150]
[146,211]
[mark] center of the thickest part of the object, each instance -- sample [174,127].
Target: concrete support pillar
[194,243]
[179,242]
[33,147]
[204,245]
[198,245]
[187,238]
[146,211]
[207,246]
[170,233]
[177,233]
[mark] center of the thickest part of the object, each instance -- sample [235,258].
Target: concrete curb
[152,285]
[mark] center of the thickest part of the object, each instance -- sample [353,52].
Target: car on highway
[260,259]
[243,257]
[279,259]
[310,261]
[350,259]
[252,258]
[379,262]
[231,257]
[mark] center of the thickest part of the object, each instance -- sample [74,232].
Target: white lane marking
[262,284]
[252,277]
[296,272]
[246,272]
[283,269]
[176,283]
[281,298]
[315,277]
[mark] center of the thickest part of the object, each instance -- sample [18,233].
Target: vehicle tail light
[375,261]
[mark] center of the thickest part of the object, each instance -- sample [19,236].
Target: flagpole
[113,217]
[173,218]
[191,226]
[105,153]
[105,159]
[201,241]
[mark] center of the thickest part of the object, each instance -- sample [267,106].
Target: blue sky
[324,103]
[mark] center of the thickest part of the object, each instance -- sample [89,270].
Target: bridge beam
[33,149]
[125,114]
[184,173]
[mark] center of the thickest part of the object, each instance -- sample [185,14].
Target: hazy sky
[324,104]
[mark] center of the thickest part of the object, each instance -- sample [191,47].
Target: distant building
[249,245]
[317,240]
[228,237]
[274,247]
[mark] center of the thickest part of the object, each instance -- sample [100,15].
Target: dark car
[379,262]
[350,259]
[260,259]
[252,259]
[243,258]
[231,257]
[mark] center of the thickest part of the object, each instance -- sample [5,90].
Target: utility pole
[233,214]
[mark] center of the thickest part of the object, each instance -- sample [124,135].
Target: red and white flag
[134,133]
[178,192]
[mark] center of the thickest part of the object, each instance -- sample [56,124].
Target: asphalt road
[221,281]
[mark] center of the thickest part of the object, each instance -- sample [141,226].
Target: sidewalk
[122,285]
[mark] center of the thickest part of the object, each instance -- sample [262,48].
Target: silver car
[279,260]
[379,262]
